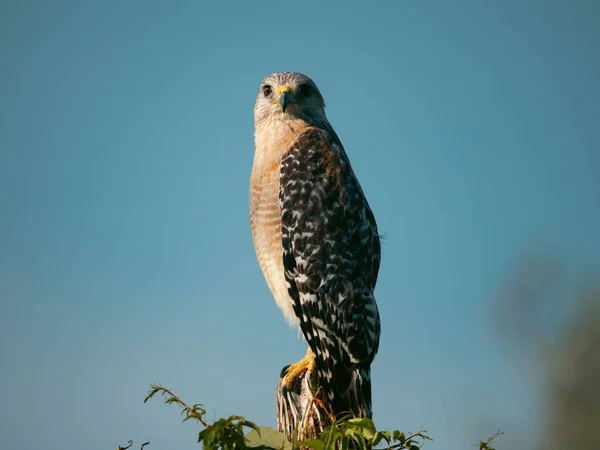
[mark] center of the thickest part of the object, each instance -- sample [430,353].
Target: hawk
[316,240]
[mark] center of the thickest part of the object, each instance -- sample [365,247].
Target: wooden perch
[298,410]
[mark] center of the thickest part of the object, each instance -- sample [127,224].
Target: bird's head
[289,95]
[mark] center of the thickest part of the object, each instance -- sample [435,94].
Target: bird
[316,241]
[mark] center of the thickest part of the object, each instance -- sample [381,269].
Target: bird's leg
[306,364]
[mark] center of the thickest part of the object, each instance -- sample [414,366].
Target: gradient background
[126,145]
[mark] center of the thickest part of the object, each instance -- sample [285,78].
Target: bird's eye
[306,90]
[267,90]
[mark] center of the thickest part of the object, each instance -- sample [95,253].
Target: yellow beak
[284,96]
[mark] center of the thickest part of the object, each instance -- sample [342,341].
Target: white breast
[265,214]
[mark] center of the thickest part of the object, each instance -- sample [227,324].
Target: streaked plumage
[316,238]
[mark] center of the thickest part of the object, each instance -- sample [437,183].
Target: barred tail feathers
[343,355]
[348,391]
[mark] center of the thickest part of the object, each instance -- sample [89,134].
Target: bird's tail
[348,391]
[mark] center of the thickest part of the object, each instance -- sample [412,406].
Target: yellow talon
[295,371]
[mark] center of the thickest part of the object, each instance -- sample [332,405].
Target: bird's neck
[273,138]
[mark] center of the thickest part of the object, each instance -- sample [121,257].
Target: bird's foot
[295,371]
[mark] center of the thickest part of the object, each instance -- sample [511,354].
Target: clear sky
[126,145]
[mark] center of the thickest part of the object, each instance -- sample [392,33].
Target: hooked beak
[284,100]
[285,96]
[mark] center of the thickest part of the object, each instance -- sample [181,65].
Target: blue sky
[126,144]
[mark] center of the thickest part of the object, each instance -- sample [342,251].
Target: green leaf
[153,390]
[232,418]
[345,418]
[249,424]
[364,422]
[399,436]
[362,444]
[267,437]
[315,444]
[364,426]
[202,435]
[345,443]
[368,434]
[379,436]
[330,438]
